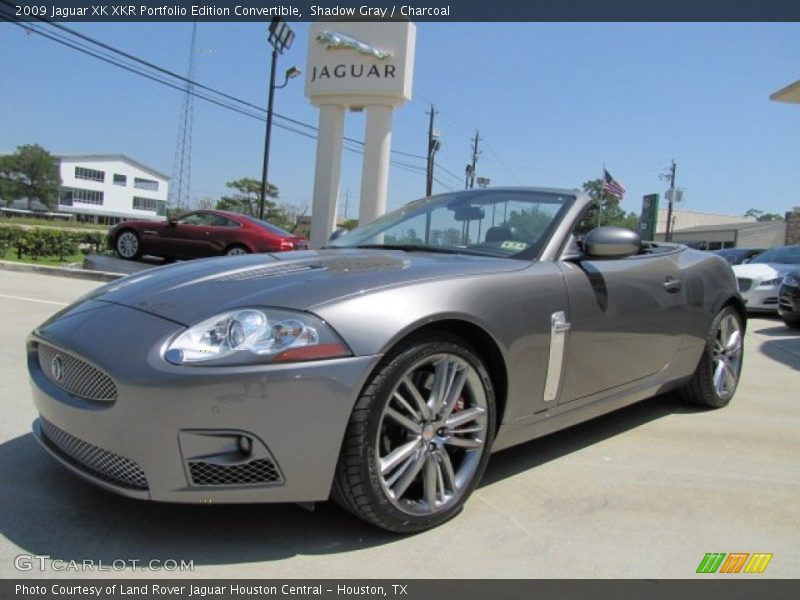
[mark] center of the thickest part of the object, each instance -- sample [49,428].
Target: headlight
[771,282]
[792,281]
[251,336]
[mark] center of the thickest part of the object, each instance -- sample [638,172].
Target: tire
[128,244]
[792,322]
[717,375]
[236,250]
[409,463]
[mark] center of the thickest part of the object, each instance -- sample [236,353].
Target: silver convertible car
[382,370]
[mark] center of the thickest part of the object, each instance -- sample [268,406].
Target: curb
[59,271]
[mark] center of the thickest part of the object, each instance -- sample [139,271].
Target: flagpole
[600,198]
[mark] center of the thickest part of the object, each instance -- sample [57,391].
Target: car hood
[762,271]
[188,292]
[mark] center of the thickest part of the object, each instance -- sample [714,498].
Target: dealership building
[104,189]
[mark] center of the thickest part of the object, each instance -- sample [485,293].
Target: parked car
[761,278]
[383,370]
[199,234]
[789,299]
[738,256]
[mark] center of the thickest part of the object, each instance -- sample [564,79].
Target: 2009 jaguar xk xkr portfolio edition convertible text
[383,369]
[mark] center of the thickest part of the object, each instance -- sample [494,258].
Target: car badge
[57,367]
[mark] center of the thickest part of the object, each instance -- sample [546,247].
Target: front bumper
[183,427]
[761,299]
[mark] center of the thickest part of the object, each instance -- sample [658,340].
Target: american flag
[612,186]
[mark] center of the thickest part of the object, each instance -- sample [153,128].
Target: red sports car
[199,234]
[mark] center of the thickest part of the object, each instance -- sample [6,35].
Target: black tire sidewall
[707,362]
[407,357]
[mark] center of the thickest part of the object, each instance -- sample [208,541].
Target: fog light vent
[257,471]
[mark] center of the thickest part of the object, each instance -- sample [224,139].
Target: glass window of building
[145,184]
[90,174]
[120,179]
[157,206]
[70,196]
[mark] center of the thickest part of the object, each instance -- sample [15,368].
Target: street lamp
[280,38]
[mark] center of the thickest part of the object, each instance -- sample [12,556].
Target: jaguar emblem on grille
[57,367]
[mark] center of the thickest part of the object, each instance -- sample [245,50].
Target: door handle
[672,285]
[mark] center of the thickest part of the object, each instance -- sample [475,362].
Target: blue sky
[553,102]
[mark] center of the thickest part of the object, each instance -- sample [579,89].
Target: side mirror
[611,242]
[338,233]
[172,222]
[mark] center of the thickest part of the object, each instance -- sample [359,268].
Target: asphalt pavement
[643,492]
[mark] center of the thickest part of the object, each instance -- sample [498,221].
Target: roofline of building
[728,226]
[113,156]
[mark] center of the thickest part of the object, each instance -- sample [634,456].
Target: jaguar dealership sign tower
[356,66]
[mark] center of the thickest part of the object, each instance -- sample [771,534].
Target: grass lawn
[50,261]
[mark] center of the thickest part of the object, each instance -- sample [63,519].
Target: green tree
[245,201]
[611,212]
[760,215]
[31,173]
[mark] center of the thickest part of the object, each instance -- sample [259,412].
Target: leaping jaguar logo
[336,41]
[57,367]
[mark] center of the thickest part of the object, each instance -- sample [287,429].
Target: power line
[187,80]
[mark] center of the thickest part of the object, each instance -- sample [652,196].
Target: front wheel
[717,375]
[128,245]
[419,437]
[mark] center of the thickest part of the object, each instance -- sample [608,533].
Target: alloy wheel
[127,244]
[727,356]
[432,435]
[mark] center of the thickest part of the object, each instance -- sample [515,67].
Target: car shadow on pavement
[785,351]
[48,511]
[516,459]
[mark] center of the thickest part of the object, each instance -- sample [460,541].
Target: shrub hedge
[39,242]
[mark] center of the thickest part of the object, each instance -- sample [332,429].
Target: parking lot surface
[643,492]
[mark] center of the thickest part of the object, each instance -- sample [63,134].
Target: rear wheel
[717,374]
[236,250]
[128,245]
[419,437]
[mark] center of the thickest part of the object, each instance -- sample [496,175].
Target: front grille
[257,471]
[89,458]
[744,284]
[76,376]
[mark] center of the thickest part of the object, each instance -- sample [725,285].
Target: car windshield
[273,229]
[507,223]
[789,255]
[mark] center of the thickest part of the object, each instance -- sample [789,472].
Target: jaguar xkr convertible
[382,370]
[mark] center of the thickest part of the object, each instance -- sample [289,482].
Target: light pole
[280,38]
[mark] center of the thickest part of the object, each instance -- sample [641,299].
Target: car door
[223,232]
[625,320]
[189,236]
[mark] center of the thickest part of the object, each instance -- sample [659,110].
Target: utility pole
[671,198]
[433,146]
[470,183]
